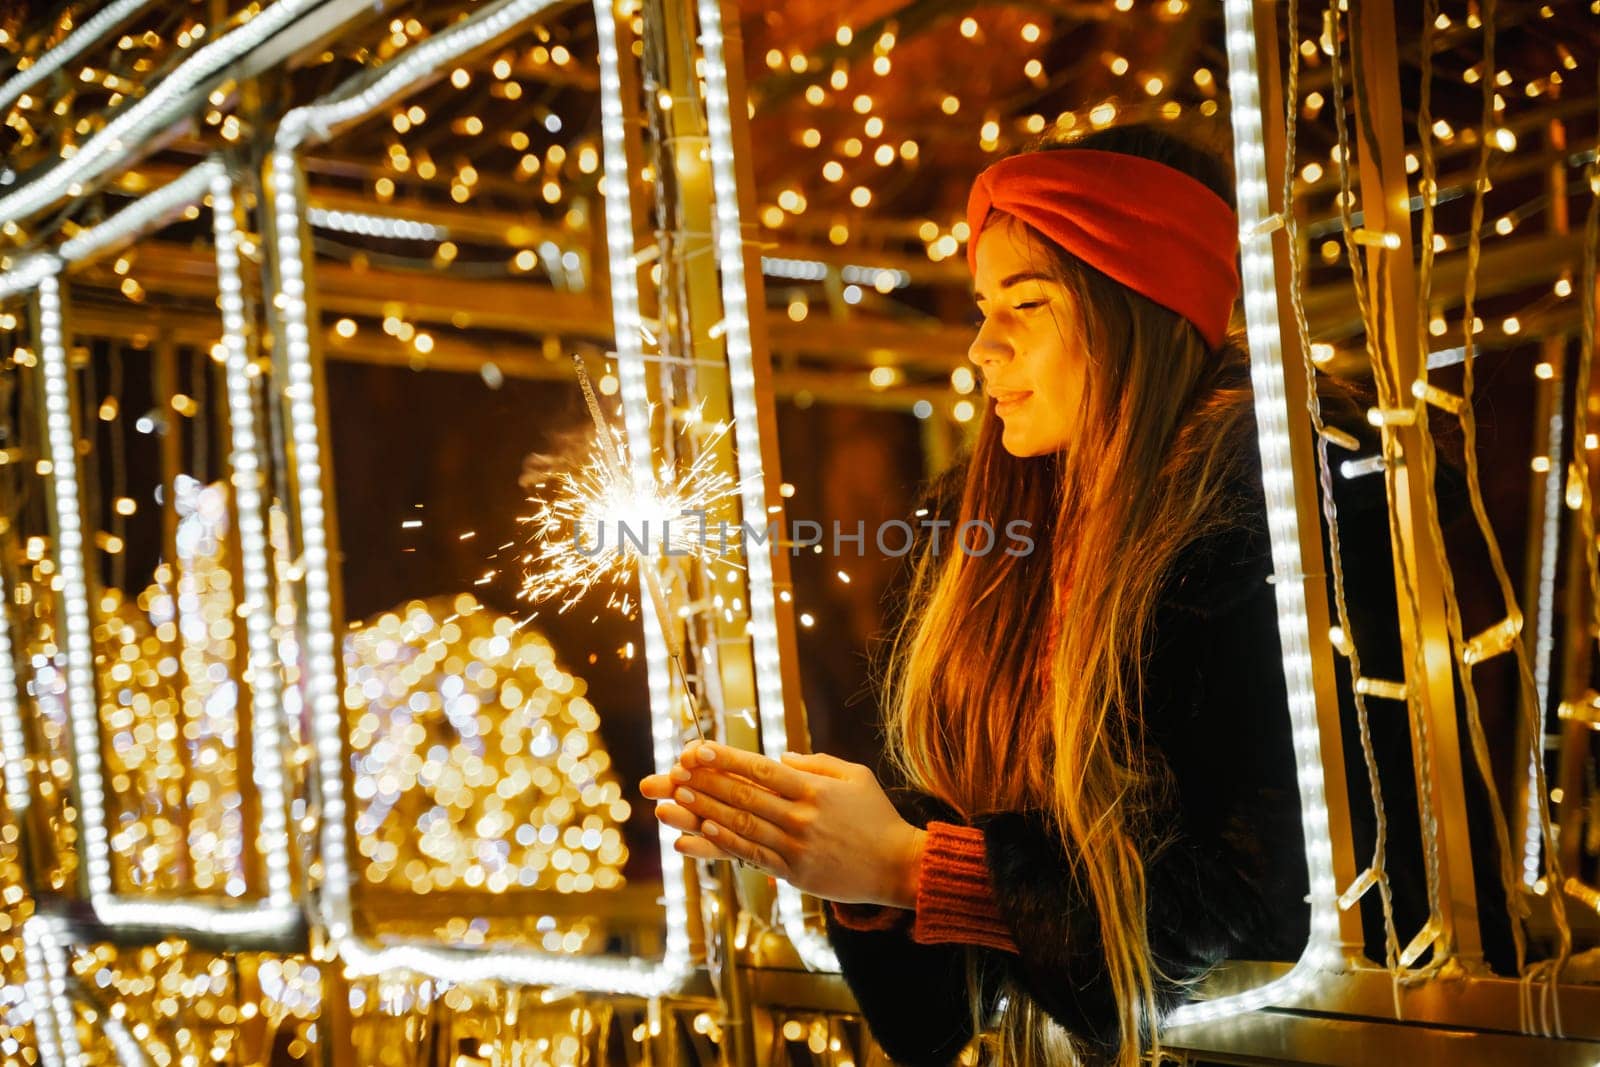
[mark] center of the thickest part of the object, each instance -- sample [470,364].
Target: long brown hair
[989,712]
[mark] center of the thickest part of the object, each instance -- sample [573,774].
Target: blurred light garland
[475,757]
[98,25]
[70,557]
[361,956]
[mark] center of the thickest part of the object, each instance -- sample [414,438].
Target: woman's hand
[820,823]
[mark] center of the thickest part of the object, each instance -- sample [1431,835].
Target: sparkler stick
[613,460]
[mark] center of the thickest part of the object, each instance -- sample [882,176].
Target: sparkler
[603,492]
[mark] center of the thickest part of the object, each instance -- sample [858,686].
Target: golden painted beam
[1392,296]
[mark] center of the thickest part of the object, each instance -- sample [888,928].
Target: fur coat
[1227,879]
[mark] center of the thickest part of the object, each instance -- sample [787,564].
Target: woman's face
[1027,350]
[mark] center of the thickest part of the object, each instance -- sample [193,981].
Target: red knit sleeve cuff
[955,895]
[870,916]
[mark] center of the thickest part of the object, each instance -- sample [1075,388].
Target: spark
[650,521]
[605,491]
[598,524]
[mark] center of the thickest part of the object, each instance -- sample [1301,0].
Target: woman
[1100,797]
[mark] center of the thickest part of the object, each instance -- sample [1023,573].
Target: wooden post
[1380,149]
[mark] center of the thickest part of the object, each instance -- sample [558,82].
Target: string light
[1273,415]
[61,452]
[151,699]
[248,478]
[13,743]
[166,102]
[315,121]
[813,947]
[432,777]
[369,225]
[55,1022]
[278,914]
[44,266]
[96,27]
[27,275]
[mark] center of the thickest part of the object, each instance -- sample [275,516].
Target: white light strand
[812,946]
[320,119]
[802,270]
[129,1052]
[1273,416]
[280,912]
[629,975]
[145,213]
[13,740]
[38,992]
[321,680]
[625,314]
[61,450]
[176,195]
[873,276]
[1544,643]
[102,23]
[269,732]
[815,270]
[130,130]
[48,937]
[25,276]
[367,224]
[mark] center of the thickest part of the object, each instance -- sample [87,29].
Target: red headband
[1153,228]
